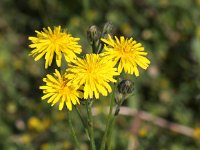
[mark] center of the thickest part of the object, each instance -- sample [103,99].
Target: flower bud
[125,87]
[93,34]
[118,97]
[107,29]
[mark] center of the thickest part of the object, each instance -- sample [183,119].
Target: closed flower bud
[107,29]
[125,87]
[118,97]
[93,34]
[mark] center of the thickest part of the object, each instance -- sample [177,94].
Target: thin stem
[83,122]
[73,131]
[90,125]
[99,47]
[94,47]
[109,121]
[117,109]
[111,128]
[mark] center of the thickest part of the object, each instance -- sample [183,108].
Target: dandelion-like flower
[127,53]
[93,74]
[57,90]
[55,41]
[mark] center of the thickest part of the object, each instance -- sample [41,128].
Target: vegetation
[167,94]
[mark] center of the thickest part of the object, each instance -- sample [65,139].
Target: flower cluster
[89,76]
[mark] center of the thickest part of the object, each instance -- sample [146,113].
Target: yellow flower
[25,138]
[35,123]
[143,132]
[56,90]
[93,73]
[127,53]
[53,41]
[196,133]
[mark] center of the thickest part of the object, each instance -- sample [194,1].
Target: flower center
[90,69]
[55,39]
[125,48]
[64,89]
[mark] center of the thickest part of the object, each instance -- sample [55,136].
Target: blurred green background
[170,88]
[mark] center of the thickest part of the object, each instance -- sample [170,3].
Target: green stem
[73,131]
[108,123]
[94,47]
[90,125]
[99,47]
[111,128]
[83,122]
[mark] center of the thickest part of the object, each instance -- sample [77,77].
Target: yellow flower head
[35,123]
[196,133]
[57,90]
[127,52]
[94,73]
[53,41]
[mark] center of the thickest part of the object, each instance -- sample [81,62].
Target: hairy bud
[93,34]
[125,87]
[107,29]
